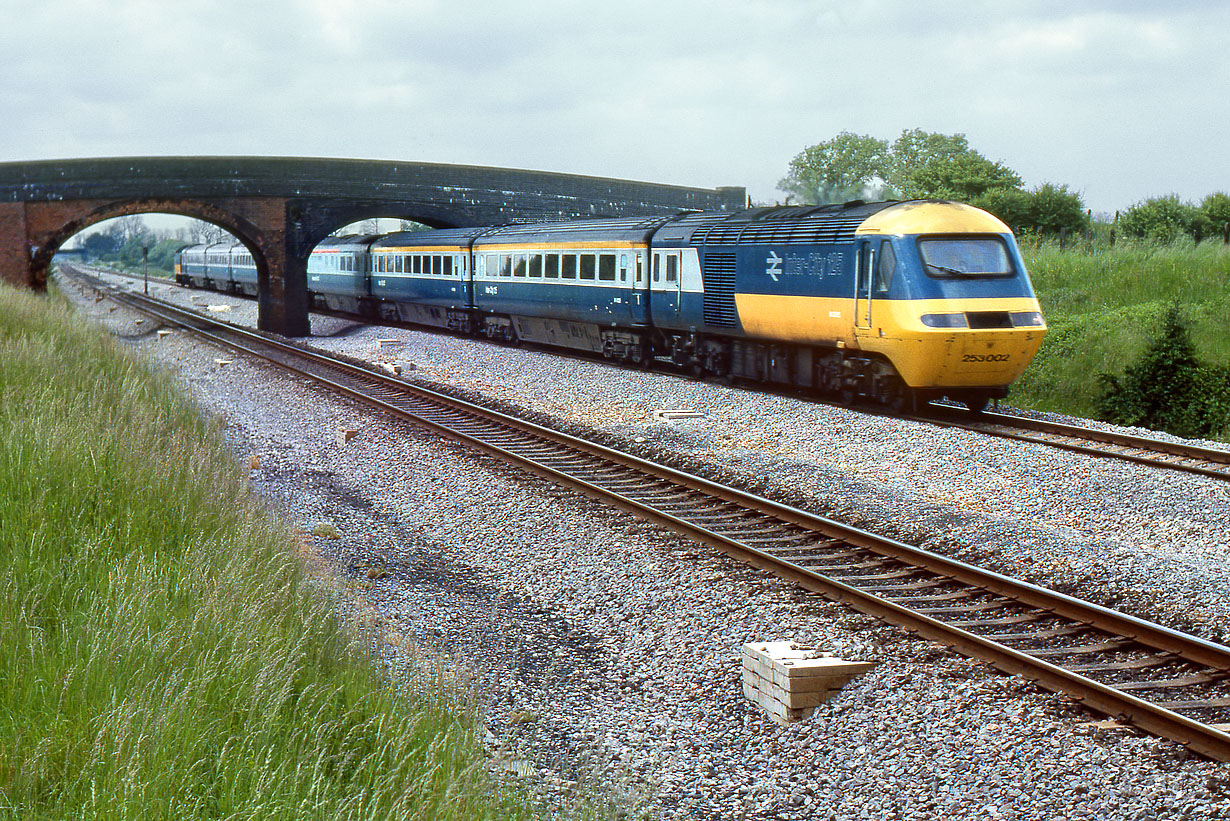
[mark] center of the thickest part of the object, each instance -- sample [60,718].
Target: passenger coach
[896,302]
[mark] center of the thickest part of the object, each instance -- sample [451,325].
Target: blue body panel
[326,277]
[607,304]
[829,272]
[441,292]
[338,267]
[429,268]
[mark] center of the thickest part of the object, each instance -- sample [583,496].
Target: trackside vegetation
[163,653]
[1139,334]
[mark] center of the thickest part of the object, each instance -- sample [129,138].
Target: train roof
[345,241]
[460,237]
[627,229]
[779,225]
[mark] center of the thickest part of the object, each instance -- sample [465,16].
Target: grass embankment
[1104,306]
[162,654]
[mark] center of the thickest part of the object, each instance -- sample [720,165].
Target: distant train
[895,302]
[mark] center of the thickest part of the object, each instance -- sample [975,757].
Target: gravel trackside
[606,650]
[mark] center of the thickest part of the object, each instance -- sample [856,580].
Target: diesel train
[892,302]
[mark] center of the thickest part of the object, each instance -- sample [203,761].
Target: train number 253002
[990,357]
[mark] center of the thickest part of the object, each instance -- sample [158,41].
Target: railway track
[1157,453]
[1142,450]
[1165,682]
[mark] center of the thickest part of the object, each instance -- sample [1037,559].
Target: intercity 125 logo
[773,265]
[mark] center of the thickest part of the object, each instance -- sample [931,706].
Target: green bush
[1048,210]
[1168,388]
[1216,208]
[1163,219]
[1054,209]
[1011,205]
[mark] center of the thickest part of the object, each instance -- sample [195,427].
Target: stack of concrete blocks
[789,680]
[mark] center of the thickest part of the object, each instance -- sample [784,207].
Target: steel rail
[795,545]
[1211,462]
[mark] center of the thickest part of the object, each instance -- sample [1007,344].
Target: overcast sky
[1120,100]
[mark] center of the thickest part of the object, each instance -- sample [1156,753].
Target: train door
[862,285]
[632,278]
[665,283]
[466,293]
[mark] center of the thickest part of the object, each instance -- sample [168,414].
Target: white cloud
[1117,98]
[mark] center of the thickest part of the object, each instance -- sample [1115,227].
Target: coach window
[640,273]
[606,267]
[446,266]
[552,271]
[436,265]
[623,267]
[505,265]
[657,267]
[672,267]
[886,267]
[568,266]
[587,266]
[518,265]
[536,265]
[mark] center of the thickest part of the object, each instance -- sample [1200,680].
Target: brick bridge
[281,207]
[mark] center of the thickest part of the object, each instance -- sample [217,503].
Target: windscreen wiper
[944,270]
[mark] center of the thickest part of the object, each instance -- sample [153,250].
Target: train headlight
[1025,319]
[944,321]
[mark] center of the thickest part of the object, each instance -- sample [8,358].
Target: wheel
[903,401]
[977,404]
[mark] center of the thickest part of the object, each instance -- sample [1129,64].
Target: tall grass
[161,653]
[1104,305]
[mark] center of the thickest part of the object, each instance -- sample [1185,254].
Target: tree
[927,165]
[964,177]
[919,164]
[99,243]
[200,232]
[131,229]
[1168,388]
[837,170]
[916,148]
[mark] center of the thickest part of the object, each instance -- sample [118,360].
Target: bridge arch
[238,227]
[282,207]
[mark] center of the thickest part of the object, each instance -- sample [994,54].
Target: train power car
[894,302]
